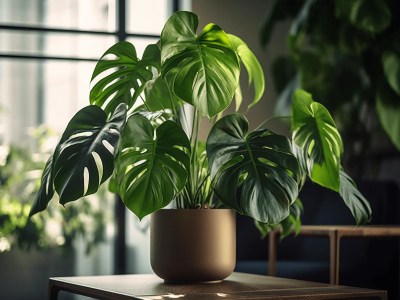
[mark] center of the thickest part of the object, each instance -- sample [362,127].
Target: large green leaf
[207,68]
[287,225]
[159,95]
[315,132]
[46,190]
[152,165]
[388,111]
[252,65]
[84,158]
[391,66]
[369,15]
[255,172]
[121,79]
[355,201]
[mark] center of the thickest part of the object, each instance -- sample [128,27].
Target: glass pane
[34,92]
[147,17]
[55,44]
[71,14]
[66,87]
[141,44]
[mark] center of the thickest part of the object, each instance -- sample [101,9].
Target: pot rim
[198,210]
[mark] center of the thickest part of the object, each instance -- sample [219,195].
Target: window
[48,50]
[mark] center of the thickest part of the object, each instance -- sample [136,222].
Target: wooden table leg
[333,257]
[337,259]
[53,291]
[272,252]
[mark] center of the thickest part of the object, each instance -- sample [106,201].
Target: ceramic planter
[193,245]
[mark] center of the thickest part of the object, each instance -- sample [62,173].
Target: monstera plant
[141,130]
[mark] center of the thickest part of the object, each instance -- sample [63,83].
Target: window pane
[34,92]
[55,44]
[147,17]
[141,44]
[71,14]
[66,87]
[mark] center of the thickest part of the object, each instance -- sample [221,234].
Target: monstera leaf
[355,201]
[315,132]
[122,78]
[206,66]
[259,166]
[152,165]
[253,67]
[159,95]
[46,190]
[84,158]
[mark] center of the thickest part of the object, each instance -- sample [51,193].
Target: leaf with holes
[152,166]
[355,201]
[255,172]
[207,68]
[46,190]
[121,79]
[315,132]
[86,152]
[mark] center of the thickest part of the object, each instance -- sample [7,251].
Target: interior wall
[245,19]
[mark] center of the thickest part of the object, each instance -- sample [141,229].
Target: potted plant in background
[33,250]
[353,45]
[154,157]
[19,182]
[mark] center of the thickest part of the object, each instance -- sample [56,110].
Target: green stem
[200,187]
[174,110]
[193,158]
[144,102]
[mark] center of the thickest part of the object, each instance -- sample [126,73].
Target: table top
[238,285]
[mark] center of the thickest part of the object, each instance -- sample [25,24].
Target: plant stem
[200,187]
[144,103]
[174,110]
[193,158]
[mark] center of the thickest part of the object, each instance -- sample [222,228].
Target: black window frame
[121,34]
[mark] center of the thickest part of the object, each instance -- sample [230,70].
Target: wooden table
[325,231]
[361,232]
[334,233]
[236,286]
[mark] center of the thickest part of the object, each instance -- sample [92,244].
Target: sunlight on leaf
[315,132]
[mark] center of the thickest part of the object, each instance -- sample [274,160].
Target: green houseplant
[351,44]
[154,157]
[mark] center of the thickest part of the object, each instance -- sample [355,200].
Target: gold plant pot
[193,245]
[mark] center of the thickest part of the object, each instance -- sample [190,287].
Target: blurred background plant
[347,54]
[20,171]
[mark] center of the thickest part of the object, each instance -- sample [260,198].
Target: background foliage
[346,53]
[19,182]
